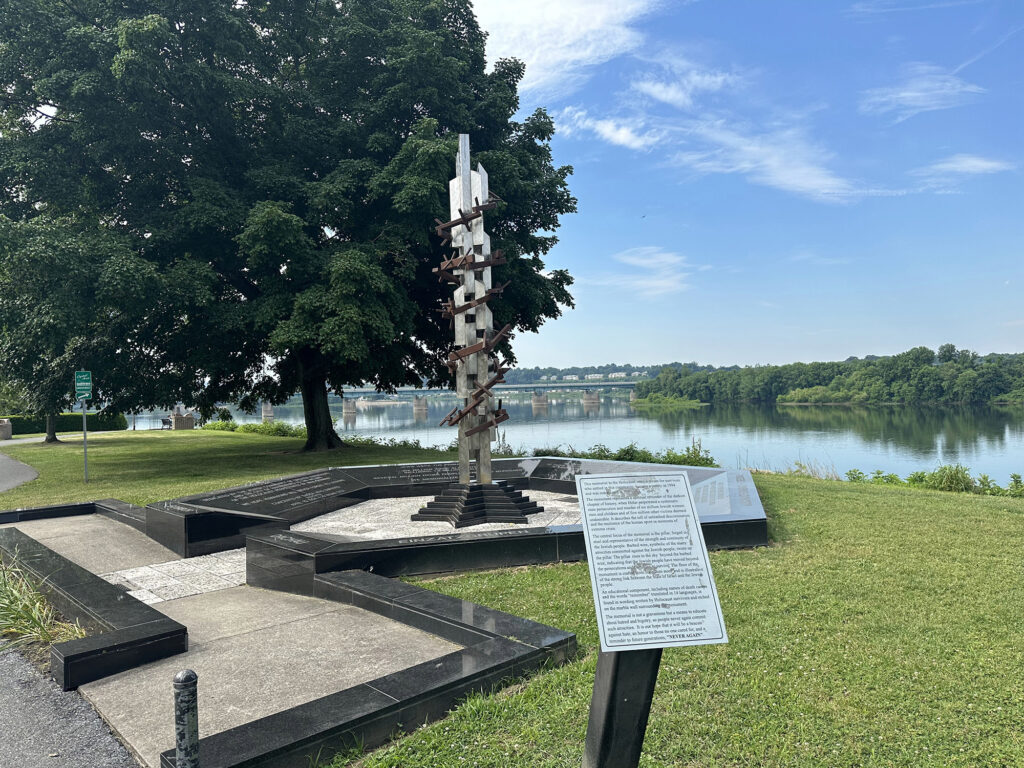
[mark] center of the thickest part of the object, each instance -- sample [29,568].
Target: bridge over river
[545,386]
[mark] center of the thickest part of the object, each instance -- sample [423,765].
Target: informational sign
[649,565]
[83,385]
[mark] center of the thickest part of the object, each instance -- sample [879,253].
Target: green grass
[142,467]
[885,627]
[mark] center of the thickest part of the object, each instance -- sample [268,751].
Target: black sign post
[653,589]
[619,708]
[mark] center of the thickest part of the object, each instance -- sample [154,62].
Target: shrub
[273,429]
[950,477]
[68,422]
[1016,487]
[694,456]
[220,426]
[917,479]
[856,476]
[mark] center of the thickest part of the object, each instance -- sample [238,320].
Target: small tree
[49,309]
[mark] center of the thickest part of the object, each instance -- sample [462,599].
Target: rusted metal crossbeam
[481,346]
[497,378]
[449,310]
[444,228]
[499,416]
[455,418]
[469,262]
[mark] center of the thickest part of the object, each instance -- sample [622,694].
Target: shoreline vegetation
[657,401]
[918,376]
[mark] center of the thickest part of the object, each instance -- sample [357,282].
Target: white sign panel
[648,562]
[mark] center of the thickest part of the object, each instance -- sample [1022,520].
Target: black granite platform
[125,632]
[370,714]
[726,500]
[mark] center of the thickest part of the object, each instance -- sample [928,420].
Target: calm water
[890,438]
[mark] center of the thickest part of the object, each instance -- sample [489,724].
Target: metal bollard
[186,719]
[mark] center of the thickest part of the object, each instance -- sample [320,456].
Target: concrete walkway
[256,653]
[13,473]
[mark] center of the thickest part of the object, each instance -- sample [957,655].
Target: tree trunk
[320,434]
[51,429]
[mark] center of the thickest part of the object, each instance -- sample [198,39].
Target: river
[900,439]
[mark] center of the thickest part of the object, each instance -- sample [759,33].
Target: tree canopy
[264,177]
[918,375]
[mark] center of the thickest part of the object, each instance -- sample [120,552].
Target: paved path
[13,473]
[42,726]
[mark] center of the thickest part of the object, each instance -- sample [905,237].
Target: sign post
[653,589]
[83,392]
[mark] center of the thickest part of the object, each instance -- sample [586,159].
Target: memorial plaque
[648,562]
[406,474]
[276,496]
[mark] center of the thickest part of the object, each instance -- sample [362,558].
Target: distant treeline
[535,375]
[919,375]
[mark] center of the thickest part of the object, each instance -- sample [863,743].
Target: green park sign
[83,385]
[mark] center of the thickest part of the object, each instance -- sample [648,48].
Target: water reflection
[898,439]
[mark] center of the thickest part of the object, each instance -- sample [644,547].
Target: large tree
[274,168]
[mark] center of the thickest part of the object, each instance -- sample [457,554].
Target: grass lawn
[141,467]
[885,627]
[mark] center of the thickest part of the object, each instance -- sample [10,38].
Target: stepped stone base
[473,504]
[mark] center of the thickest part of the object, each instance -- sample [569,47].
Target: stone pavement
[179,578]
[389,518]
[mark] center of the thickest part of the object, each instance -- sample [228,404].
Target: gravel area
[42,726]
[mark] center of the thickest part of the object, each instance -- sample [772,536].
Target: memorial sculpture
[474,361]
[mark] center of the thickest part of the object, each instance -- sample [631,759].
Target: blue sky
[766,182]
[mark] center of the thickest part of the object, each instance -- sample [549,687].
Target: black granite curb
[498,647]
[289,560]
[130,633]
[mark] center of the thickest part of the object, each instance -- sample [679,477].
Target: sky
[770,182]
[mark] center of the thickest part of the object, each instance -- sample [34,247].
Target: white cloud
[871,7]
[560,41]
[623,132]
[682,82]
[784,159]
[809,257]
[945,175]
[653,272]
[958,165]
[924,88]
